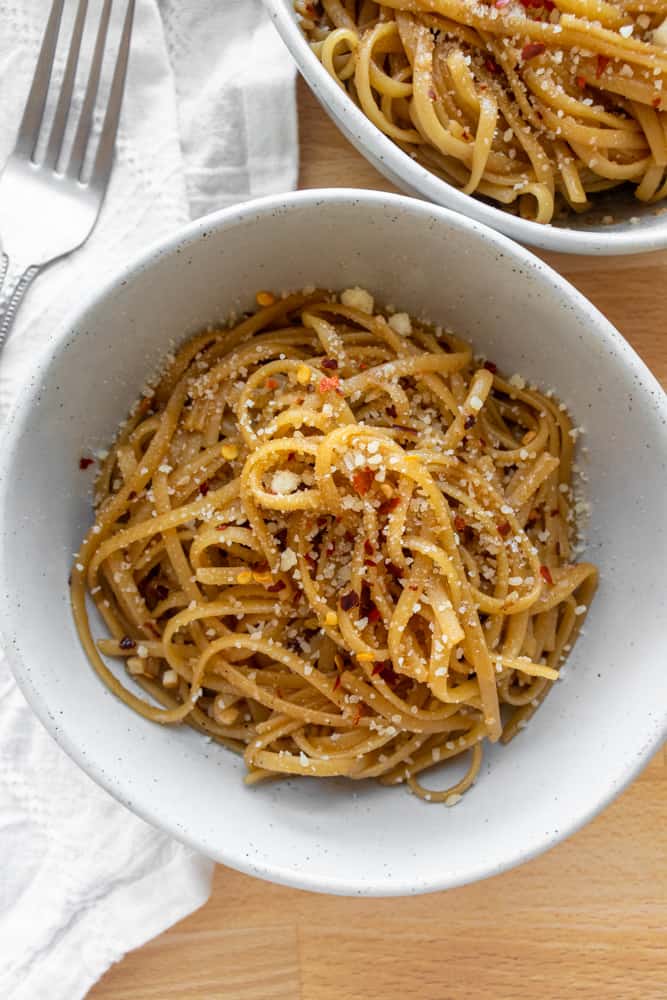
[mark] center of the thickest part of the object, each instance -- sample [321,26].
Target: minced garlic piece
[358,298]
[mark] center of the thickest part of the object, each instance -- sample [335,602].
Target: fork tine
[78,153]
[65,98]
[28,135]
[104,156]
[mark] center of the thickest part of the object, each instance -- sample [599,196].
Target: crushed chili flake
[327,383]
[601,65]
[272,383]
[491,367]
[330,363]
[275,587]
[84,463]
[127,642]
[370,563]
[545,573]
[349,600]
[373,615]
[394,570]
[491,65]
[459,523]
[656,102]
[203,489]
[532,50]
[362,480]
[389,505]
[581,82]
[365,602]
[432,94]
[336,682]
[502,3]
[504,529]
[368,547]
[391,411]
[469,422]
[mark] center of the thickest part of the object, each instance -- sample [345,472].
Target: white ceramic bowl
[598,726]
[585,234]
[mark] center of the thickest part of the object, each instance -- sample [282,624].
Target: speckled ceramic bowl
[637,227]
[598,726]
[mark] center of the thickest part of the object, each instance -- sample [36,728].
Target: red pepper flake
[203,489]
[373,615]
[85,462]
[349,600]
[272,383]
[656,102]
[391,411]
[385,670]
[362,366]
[394,570]
[581,82]
[459,523]
[500,4]
[602,63]
[504,529]
[532,50]
[432,94]
[491,367]
[127,642]
[330,363]
[362,480]
[336,682]
[368,547]
[389,505]
[275,587]
[545,573]
[469,422]
[279,692]
[491,65]
[330,549]
[369,562]
[326,384]
[358,715]
[311,559]
[221,527]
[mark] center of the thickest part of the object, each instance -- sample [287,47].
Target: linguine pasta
[533,104]
[331,539]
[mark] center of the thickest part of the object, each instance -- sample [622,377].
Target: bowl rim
[406,173]
[123,791]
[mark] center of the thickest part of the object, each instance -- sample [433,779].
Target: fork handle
[12,300]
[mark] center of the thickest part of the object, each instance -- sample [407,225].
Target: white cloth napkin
[209,119]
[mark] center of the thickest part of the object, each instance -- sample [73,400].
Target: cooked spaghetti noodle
[533,104]
[332,540]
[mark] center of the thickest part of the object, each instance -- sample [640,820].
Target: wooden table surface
[586,920]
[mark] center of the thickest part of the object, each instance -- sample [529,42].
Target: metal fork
[47,212]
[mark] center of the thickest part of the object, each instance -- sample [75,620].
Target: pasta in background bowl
[476,106]
[586,741]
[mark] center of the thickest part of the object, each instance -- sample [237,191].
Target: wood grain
[587,920]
